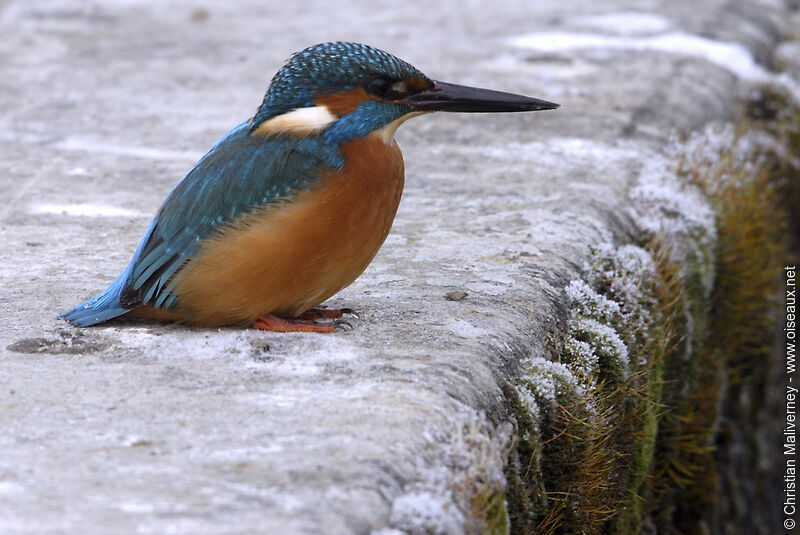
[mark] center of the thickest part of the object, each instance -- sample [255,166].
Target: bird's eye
[379,86]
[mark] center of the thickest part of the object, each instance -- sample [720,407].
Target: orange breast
[291,256]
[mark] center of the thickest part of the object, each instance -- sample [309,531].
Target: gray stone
[143,428]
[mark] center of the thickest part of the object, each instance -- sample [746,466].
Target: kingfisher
[291,205]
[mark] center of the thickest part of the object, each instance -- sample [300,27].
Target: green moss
[623,432]
[608,347]
[524,491]
[695,483]
[646,388]
[599,407]
[774,111]
[599,422]
[490,506]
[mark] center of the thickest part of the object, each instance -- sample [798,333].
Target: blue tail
[106,305]
[102,307]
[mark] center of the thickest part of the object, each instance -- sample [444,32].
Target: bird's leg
[326,313]
[282,325]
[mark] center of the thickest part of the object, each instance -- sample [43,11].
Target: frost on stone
[611,305]
[529,404]
[708,155]
[548,380]
[669,208]
[606,344]
[712,159]
[425,513]
[587,302]
[668,205]
[468,465]
[610,308]
[581,359]
[624,273]
[668,198]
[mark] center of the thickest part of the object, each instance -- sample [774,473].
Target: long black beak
[451,97]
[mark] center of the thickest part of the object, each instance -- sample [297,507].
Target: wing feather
[238,175]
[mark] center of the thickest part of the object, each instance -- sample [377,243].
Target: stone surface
[137,428]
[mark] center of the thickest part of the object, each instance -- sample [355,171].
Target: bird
[292,204]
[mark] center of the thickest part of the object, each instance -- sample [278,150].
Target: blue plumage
[243,172]
[238,175]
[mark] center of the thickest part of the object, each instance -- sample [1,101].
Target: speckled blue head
[330,67]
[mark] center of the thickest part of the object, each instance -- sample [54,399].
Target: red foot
[282,325]
[325,313]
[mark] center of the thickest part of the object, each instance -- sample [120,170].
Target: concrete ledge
[416,421]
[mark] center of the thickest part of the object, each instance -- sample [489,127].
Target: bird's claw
[342,325]
[326,313]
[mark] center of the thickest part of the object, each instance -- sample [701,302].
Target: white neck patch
[298,122]
[387,132]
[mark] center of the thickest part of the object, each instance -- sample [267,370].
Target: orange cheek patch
[418,84]
[342,103]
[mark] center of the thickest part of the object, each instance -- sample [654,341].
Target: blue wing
[239,174]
